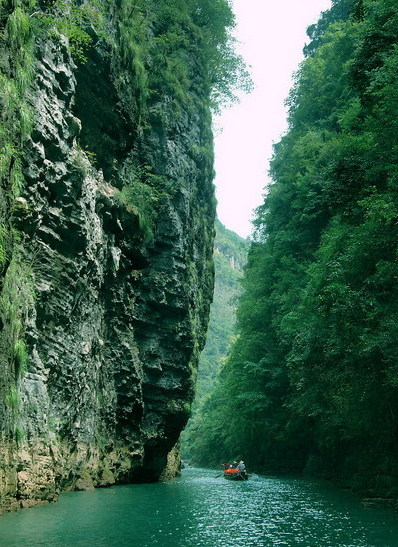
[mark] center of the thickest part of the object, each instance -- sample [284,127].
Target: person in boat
[230,468]
[241,466]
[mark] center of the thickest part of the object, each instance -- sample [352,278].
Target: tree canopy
[311,382]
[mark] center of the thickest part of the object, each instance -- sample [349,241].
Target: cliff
[105,244]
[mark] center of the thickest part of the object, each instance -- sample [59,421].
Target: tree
[313,370]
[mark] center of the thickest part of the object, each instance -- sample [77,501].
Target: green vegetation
[16,74]
[12,398]
[19,434]
[16,70]
[229,258]
[3,246]
[142,196]
[172,59]
[173,48]
[171,63]
[16,301]
[82,23]
[230,252]
[21,357]
[166,63]
[311,382]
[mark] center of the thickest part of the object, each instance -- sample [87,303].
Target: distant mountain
[230,251]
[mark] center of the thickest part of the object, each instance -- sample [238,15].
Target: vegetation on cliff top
[311,383]
[182,52]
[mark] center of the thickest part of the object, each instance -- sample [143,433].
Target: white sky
[272,34]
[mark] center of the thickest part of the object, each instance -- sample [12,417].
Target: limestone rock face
[117,313]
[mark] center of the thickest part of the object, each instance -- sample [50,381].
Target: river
[201,509]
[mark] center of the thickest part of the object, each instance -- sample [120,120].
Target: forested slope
[230,253]
[312,381]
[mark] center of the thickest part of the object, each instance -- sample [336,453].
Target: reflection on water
[201,509]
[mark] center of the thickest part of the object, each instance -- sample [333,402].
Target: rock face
[113,302]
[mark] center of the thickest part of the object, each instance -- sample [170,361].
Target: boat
[234,474]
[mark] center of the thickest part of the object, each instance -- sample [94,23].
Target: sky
[271,34]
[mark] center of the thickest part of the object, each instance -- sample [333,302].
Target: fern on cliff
[82,23]
[16,73]
[169,45]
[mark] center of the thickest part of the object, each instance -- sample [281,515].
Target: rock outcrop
[111,296]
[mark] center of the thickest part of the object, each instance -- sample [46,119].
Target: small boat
[234,474]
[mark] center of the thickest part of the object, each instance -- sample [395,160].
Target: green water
[199,509]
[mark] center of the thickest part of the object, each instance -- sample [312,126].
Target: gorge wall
[106,247]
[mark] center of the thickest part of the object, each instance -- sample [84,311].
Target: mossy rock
[85,482]
[106,478]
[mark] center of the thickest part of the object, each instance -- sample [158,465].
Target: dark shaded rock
[115,322]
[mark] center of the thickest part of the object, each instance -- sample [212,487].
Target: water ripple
[200,510]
